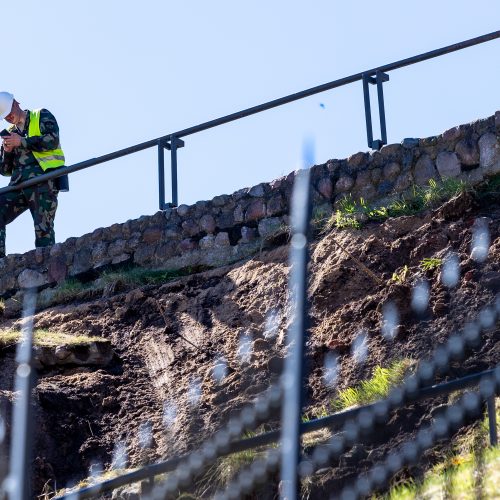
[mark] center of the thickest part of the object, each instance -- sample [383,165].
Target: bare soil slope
[162,395]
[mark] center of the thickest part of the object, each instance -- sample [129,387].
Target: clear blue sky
[117,72]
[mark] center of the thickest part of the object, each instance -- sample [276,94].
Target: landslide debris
[192,351]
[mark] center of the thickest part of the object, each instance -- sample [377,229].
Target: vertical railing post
[161,174]
[379,79]
[294,364]
[492,420]
[173,159]
[368,113]
[174,145]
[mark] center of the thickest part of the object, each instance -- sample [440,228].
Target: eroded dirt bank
[163,394]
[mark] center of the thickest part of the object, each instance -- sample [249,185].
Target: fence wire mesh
[367,420]
[186,469]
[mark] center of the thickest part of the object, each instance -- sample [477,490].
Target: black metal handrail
[271,437]
[173,140]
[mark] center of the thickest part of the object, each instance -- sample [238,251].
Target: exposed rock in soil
[89,354]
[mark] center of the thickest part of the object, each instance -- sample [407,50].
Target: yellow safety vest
[46,159]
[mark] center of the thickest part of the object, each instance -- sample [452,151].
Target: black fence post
[492,420]
[294,363]
[19,479]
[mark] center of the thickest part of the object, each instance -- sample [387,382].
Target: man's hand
[6,148]
[11,142]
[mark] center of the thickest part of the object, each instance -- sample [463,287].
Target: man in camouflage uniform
[18,161]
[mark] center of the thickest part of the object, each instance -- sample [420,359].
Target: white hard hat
[6,101]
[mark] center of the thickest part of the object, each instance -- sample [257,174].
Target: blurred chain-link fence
[285,447]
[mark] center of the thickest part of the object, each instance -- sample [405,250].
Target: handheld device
[4,133]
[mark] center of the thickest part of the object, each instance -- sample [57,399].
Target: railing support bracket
[172,144]
[378,80]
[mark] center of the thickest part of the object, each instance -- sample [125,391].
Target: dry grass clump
[46,338]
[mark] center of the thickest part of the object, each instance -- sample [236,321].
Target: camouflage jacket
[21,164]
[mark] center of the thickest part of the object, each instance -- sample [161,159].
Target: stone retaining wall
[230,227]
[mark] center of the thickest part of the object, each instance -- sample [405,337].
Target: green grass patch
[429,263]
[345,221]
[9,337]
[469,469]
[376,387]
[437,192]
[89,481]
[70,290]
[346,216]
[73,289]
[46,338]
[351,213]
[319,219]
[226,468]
[490,186]
[460,478]
[400,275]
[141,276]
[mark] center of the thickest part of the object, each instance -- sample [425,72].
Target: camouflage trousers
[41,202]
